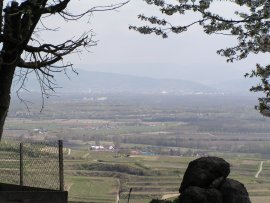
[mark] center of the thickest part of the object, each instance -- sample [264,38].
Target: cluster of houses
[132,152]
[101,148]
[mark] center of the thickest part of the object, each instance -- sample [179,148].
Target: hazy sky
[191,55]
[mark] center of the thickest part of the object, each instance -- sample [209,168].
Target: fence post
[61,165]
[129,194]
[21,164]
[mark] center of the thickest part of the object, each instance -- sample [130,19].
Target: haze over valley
[102,82]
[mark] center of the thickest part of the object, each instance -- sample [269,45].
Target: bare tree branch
[59,7]
[22,48]
[69,16]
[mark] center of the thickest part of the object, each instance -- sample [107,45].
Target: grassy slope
[170,170]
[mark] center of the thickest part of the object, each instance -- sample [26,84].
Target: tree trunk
[9,57]
[6,76]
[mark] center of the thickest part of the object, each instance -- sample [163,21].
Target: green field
[91,189]
[162,175]
[167,133]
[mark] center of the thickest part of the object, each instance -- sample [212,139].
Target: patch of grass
[96,189]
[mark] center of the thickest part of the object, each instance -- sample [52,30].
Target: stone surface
[217,182]
[234,192]
[205,181]
[200,195]
[203,171]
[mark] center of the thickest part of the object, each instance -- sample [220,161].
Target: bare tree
[21,48]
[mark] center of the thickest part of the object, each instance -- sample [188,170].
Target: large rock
[203,171]
[234,192]
[205,181]
[200,195]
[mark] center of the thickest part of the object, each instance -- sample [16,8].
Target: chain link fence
[37,164]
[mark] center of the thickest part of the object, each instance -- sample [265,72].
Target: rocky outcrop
[195,194]
[205,181]
[203,171]
[234,192]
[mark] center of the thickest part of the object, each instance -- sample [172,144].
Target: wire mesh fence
[10,163]
[37,164]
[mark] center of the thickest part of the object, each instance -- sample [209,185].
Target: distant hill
[99,82]
[240,87]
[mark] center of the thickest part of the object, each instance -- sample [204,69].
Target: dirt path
[211,135]
[168,196]
[85,155]
[69,186]
[260,170]
[117,192]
